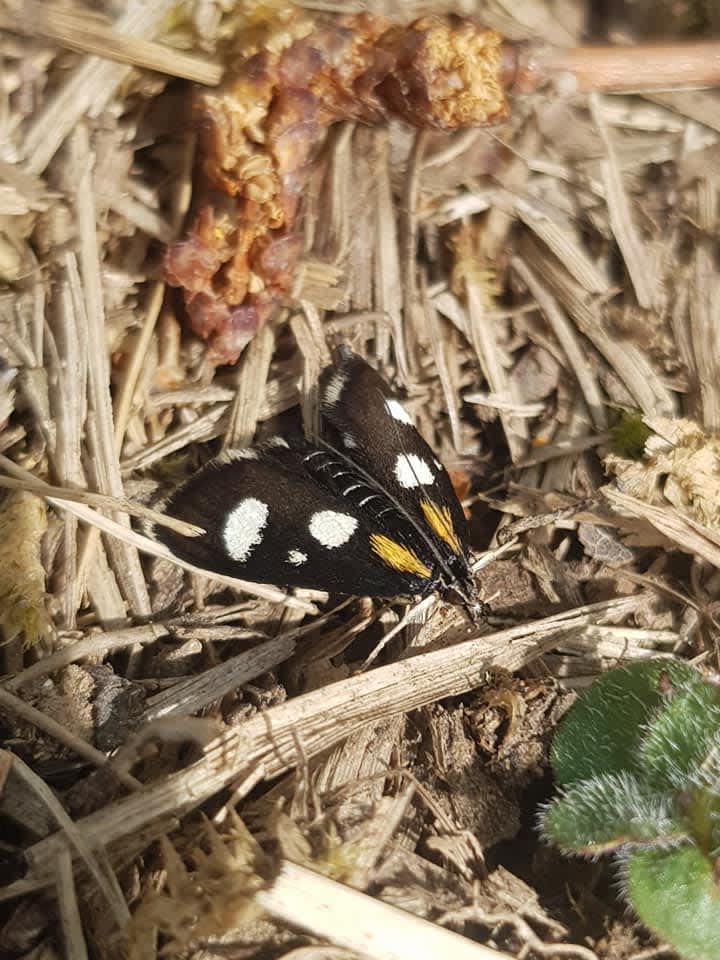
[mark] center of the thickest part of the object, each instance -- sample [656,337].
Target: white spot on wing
[332,529]
[243,528]
[278,442]
[334,389]
[438,465]
[398,412]
[296,557]
[349,440]
[412,471]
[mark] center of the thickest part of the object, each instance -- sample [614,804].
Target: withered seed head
[261,129]
[447,74]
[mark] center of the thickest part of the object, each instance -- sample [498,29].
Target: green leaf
[698,804]
[682,737]
[674,893]
[606,812]
[603,730]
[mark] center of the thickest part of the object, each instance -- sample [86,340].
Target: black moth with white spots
[368,511]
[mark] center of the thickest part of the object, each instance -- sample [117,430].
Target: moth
[367,510]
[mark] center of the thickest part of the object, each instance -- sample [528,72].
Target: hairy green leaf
[603,813]
[603,730]
[680,740]
[675,894]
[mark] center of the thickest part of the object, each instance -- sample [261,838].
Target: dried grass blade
[306,329]
[192,695]
[563,244]
[205,427]
[12,704]
[92,83]
[126,393]
[689,535]
[642,269]
[386,261]
[68,402]
[438,345]
[704,300]
[106,464]
[409,234]
[97,646]
[81,31]
[491,360]
[250,382]
[101,500]
[699,105]
[627,359]
[565,335]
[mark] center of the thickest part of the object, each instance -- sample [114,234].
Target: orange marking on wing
[440,522]
[397,556]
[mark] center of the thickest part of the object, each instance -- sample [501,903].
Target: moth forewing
[358,405]
[368,510]
[268,519]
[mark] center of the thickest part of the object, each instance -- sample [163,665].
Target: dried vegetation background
[210,762]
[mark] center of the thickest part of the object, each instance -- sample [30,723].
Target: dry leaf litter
[205,768]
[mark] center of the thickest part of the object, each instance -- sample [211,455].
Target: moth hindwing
[369,510]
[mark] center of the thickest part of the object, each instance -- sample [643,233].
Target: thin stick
[124,403]
[362,923]
[70,922]
[95,645]
[620,69]
[101,500]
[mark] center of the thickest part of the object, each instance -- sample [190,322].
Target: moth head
[463,591]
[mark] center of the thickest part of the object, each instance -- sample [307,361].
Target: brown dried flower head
[262,128]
